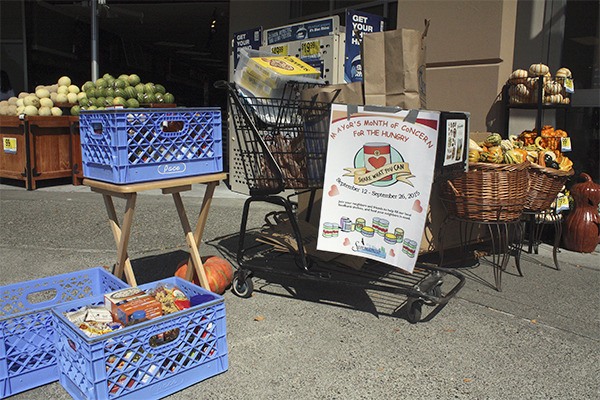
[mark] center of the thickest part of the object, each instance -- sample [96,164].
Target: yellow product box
[266,76]
[282,65]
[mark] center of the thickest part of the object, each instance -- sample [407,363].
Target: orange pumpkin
[219,273]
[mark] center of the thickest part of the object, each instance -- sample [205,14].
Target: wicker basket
[544,186]
[487,192]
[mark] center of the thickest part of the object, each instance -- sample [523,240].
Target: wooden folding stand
[129,192]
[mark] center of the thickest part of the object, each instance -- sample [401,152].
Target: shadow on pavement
[376,289]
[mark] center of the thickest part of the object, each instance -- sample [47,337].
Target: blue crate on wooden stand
[27,352]
[125,146]
[150,359]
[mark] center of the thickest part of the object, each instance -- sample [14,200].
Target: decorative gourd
[473,155]
[563,73]
[219,273]
[538,69]
[493,155]
[506,144]
[518,76]
[531,83]
[582,225]
[553,98]
[493,139]
[552,87]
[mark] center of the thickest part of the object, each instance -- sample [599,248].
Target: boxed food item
[132,305]
[265,75]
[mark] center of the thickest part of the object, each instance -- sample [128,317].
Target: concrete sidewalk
[537,339]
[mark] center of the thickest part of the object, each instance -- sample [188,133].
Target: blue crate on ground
[27,352]
[146,144]
[131,363]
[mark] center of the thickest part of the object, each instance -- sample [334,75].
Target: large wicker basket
[544,185]
[487,192]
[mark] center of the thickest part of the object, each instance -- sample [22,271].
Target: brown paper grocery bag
[393,65]
[343,93]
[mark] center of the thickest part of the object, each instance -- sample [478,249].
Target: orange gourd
[219,273]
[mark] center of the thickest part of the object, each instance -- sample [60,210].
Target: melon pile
[127,91]
[44,101]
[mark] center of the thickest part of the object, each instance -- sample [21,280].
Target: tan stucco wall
[470,47]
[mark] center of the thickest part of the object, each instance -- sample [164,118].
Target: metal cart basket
[283,145]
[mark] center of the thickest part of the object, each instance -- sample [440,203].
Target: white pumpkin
[518,76]
[538,69]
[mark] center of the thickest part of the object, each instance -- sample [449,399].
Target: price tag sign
[569,85]
[311,49]
[565,144]
[562,203]
[10,145]
[280,50]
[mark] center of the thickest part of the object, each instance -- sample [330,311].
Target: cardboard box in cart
[28,357]
[147,360]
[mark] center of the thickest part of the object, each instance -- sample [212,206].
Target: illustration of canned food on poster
[378,177]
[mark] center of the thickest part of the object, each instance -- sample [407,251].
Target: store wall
[469,54]
[13,58]
[247,14]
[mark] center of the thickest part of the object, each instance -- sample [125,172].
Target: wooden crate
[13,158]
[42,151]
[50,148]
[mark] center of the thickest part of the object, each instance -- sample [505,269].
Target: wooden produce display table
[174,187]
[35,148]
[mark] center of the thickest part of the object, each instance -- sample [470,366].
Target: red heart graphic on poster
[333,191]
[417,206]
[377,162]
[392,253]
[346,242]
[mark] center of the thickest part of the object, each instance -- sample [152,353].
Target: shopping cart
[282,145]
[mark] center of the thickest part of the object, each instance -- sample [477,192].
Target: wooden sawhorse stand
[129,192]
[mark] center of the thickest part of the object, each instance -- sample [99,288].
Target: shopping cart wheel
[436,291]
[242,285]
[413,308]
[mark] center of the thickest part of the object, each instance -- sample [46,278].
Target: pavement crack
[538,323]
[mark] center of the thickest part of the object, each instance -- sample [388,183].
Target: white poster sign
[378,177]
[456,136]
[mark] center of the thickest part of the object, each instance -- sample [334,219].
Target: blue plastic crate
[129,364]
[27,352]
[147,144]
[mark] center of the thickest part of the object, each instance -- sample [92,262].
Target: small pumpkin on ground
[219,273]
